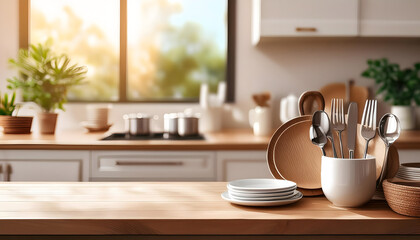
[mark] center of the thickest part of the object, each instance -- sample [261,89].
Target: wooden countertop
[232,139]
[194,208]
[235,139]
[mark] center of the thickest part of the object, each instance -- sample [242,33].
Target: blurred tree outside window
[172,45]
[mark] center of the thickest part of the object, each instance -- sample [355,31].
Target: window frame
[24,11]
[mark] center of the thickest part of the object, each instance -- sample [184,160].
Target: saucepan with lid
[187,125]
[137,123]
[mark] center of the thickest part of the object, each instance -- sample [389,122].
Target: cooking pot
[137,124]
[187,125]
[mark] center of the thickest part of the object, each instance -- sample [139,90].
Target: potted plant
[13,124]
[400,87]
[44,78]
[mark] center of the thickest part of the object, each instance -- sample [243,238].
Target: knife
[352,128]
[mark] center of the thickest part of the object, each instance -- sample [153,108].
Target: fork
[368,128]
[338,120]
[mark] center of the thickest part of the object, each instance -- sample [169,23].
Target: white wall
[9,37]
[281,66]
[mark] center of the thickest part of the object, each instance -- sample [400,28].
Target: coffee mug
[348,182]
[288,108]
[260,121]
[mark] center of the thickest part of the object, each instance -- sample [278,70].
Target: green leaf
[45,76]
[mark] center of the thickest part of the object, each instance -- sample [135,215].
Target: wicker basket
[403,197]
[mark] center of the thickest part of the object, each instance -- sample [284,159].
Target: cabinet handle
[306,29]
[6,173]
[129,163]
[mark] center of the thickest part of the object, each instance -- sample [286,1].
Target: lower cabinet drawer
[153,165]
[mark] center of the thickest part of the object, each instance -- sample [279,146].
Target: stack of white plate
[409,171]
[262,192]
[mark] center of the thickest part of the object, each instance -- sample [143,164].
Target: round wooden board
[296,158]
[270,154]
[292,156]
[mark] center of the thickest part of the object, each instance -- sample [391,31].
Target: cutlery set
[320,130]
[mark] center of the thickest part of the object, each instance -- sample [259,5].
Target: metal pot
[170,124]
[137,124]
[187,125]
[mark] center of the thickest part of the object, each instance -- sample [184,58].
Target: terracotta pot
[16,125]
[47,122]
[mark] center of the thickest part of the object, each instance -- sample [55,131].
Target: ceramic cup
[348,182]
[97,115]
[260,121]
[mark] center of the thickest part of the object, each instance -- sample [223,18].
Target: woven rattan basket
[403,197]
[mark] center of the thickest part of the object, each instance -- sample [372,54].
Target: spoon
[389,131]
[320,119]
[318,137]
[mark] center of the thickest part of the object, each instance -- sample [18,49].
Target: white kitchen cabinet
[304,18]
[42,165]
[233,165]
[153,166]
[390,18]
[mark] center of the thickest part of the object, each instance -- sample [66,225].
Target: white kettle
[288,108]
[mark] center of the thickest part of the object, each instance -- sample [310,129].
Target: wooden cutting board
[358,94]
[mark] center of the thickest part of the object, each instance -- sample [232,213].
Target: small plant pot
[16,125]
[47,122]
[406,116]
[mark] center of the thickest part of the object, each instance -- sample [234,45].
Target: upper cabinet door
[304,18]
[390,18]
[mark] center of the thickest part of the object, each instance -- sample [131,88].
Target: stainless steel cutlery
[368,124]
[321,120]
[318,137]
[352,128]
[338,119]
[389,131]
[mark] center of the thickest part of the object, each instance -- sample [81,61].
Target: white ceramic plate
[409,174]
[296,198]
[263,198]
[261,185]
[409,171]
[246,194]
[411,166]
[408,178]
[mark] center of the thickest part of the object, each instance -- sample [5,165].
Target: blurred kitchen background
[337,38]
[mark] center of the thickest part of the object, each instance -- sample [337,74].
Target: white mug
[260,120]
[348,182]
[211,119]
[288,108]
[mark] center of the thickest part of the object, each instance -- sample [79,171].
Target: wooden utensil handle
[310,96]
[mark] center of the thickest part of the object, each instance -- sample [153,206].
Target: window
[138,50]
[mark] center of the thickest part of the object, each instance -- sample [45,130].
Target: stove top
[152,136]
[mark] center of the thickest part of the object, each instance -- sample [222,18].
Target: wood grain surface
[232,139]
[229,139]
[195,208]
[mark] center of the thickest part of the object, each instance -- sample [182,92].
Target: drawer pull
[130,163]
[306,29]
[6,172]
